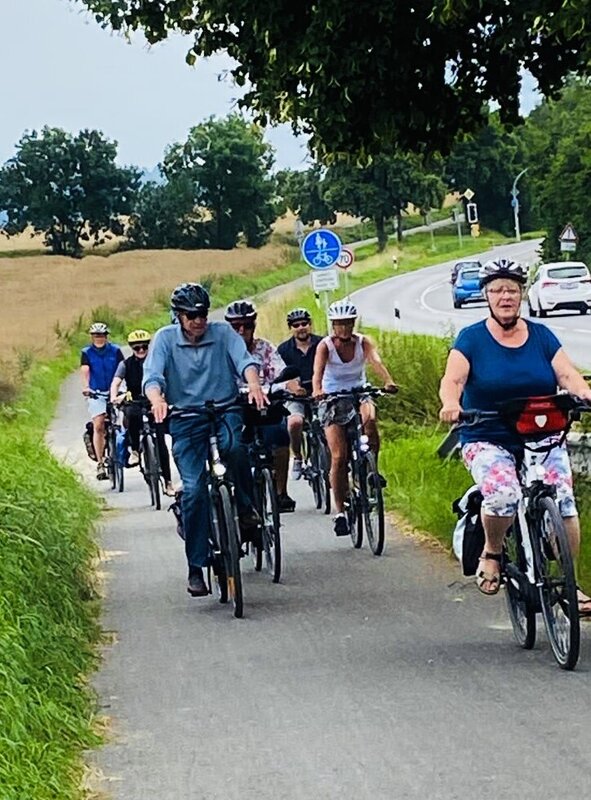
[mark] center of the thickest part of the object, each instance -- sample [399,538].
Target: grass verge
[48,609]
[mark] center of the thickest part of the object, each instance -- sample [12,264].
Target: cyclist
[299,351]
[340,364]
[498,359]
[242,316]
[131,371]
[189,363]
[98,362]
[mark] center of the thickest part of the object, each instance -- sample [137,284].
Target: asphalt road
[357,678]
[425,303]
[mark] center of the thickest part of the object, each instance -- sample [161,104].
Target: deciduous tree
[67,187]
[228,164]
[360,75]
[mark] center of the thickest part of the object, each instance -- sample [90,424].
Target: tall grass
[48,614]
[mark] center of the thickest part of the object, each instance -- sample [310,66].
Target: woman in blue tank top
[498,359]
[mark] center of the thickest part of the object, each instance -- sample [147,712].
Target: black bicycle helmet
[189,297]
[298,315]
[502,268]
[241,309]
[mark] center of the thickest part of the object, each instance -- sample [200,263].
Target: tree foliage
[67,187]
[557,137]
[301,192]
[488,163]
[165,217]
[228,165]
[359,75]
[383,189]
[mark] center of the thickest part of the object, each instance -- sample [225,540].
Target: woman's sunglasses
[137,348]
[248,325]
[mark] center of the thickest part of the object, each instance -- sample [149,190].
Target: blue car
[465,287]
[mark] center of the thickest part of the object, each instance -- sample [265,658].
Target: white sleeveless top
[340,374]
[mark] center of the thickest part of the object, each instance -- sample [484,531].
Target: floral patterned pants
[494,470]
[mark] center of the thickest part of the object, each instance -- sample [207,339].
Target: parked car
[461,265]
[562,285]
[466,286]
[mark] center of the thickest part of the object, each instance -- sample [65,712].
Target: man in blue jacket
[98,364]
[189,363]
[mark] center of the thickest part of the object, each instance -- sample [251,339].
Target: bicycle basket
[271,415]
[538,417]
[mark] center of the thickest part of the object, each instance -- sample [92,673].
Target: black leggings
[133,423]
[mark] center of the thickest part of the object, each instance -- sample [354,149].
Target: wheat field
[39,292]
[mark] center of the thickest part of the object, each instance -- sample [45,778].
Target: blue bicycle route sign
[321,249]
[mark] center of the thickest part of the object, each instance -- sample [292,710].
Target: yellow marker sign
[475,230]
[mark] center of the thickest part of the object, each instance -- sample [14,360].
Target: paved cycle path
[357,678]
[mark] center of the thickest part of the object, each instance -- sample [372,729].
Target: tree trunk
[399,225]
[381,232]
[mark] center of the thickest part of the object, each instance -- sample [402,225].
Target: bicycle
[365,504]
[148,451]
[315,454]
[537,568]
[268,548]
[224,528]
[114,455]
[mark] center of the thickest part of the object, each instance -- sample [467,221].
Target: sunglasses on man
[138,348]
[302,324]
[200,313]
[248,325]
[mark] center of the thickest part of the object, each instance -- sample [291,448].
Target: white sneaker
[134,458]
[296,469]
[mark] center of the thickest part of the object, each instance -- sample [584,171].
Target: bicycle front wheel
[110,456]
[518,591]
[373,505]
[230,547]
[271,532]
[558,588]
[324,475]
[152,470]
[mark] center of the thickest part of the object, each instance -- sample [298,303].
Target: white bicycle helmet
[502,268]
[342,309]
[99,327]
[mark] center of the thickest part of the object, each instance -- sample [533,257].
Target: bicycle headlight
[219,469]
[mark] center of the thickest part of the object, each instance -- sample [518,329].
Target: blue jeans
[190,447]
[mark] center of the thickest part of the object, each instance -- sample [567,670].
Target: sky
[60,68]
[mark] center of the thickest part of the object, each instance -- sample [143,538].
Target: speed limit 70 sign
[346,258]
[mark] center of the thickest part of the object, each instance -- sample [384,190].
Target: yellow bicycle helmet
[139,336]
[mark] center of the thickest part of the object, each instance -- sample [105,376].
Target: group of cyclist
[194,359]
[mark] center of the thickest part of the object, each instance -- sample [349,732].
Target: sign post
[345,262]
[568,239]
[321,250]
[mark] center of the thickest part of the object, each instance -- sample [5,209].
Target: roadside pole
[457,216]
[345,262]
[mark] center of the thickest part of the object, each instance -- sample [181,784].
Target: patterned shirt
[269,361]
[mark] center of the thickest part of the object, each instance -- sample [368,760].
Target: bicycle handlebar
[360,391]
[210,407]
[473,416]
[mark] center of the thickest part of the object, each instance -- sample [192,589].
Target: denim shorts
[495,471]
[97,406]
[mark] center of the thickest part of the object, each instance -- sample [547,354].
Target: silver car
[560,286]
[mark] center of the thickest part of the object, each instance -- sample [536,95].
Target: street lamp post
[515,204]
